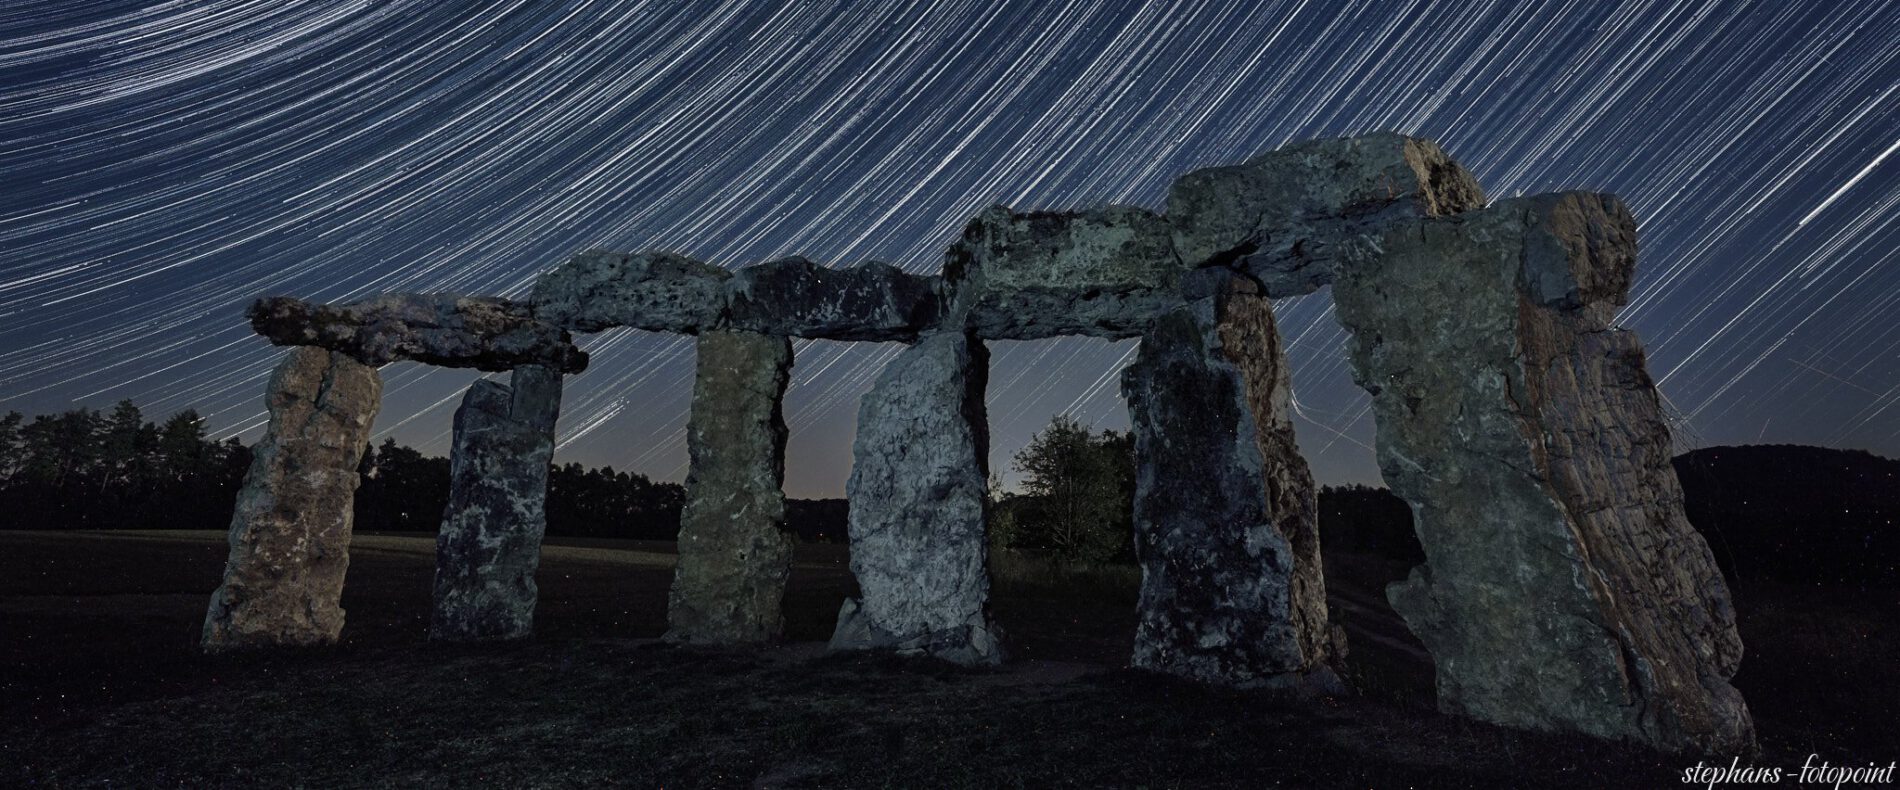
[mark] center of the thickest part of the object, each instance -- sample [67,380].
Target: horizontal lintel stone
[480,332]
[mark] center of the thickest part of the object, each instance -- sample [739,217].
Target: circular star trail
[164,163]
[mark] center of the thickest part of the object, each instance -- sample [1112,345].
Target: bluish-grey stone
[1563,587]
[798,298]
[1226,525]
[1105,272]
[1281,217]
[919,493]
[449,330]
[489,544]
[654,291]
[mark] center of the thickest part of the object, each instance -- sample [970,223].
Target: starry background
[161,164]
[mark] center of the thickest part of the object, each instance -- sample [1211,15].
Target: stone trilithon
[1563,588]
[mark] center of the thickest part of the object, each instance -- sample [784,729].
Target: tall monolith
[290,531]
[1226,527]
[489,544]
[919,494]
[734,557]
[1563,588]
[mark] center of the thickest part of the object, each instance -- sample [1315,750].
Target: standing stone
[290,531]
[1563,588]
[733,556]
[918,493]
[490,541]
[1226,526]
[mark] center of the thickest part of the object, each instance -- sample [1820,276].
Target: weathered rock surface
[290,532]
[798,298]
[655,291]
[1106,272]
[733,558]
[1282,216]
[1563,588]
[439,329]
[490,540]
[918,492]
[1226,525]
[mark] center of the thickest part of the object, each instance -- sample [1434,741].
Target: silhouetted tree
[1792,513]
[402,490]
[1078,494]
[1360,519]
[11,451]
[817,520]
[606,503]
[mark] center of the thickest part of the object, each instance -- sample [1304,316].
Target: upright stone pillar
[918,491]
[733,556]
[490,540]
[1563,588]
[1226,526]
[290,531]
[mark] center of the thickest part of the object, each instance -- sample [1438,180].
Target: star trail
[165,163]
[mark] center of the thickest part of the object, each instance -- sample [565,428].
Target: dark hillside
[1796,514]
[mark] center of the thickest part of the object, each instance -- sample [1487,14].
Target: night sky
[162,164]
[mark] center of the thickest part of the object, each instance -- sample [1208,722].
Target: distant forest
[114,470]
[1785,513]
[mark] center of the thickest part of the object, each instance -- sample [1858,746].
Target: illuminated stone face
[290,531]
[1524,430]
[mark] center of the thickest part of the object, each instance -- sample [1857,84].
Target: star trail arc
[164,163]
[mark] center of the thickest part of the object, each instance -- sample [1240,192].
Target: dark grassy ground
[100,684]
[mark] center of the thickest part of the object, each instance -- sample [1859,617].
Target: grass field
[101,684]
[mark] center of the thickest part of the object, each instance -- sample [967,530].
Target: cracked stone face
[734,557]
[1563,588]
[490,540]
[439,329]
[290,532]
[1105,272]
[1226,526]
[919,491]
[1282,216]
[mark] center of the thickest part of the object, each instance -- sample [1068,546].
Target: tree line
[90,470]
[1777,512]
[84,469]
